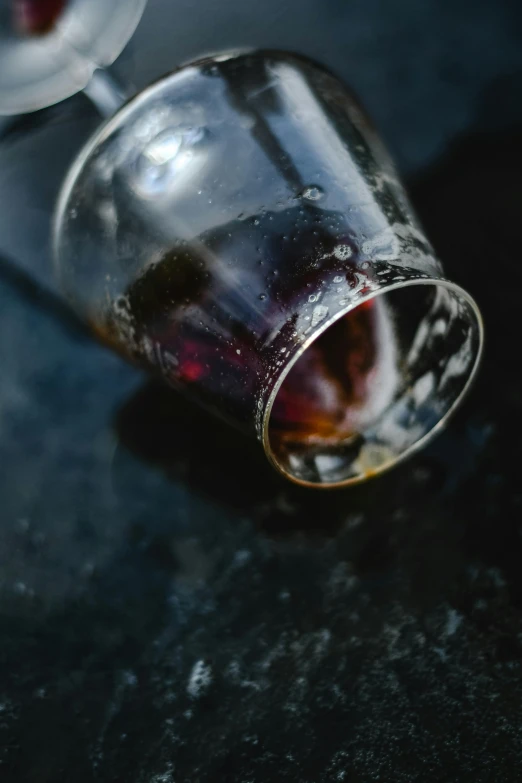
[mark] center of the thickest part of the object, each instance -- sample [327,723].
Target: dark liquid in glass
[204,322]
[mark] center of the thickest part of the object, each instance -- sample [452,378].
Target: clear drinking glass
[238,228]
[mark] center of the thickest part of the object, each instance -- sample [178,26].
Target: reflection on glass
[238,228]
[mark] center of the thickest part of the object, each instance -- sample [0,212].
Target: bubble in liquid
[313,193]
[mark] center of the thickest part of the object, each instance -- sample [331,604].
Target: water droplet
[313,298]
[312,193]
[319,314]
[238,351]
[343,252]
[338,279]
[262,297]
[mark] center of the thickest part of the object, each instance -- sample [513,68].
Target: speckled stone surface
[173,611]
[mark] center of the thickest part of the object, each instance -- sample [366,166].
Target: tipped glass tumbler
[238,228]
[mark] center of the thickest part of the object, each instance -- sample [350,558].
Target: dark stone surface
[170,609]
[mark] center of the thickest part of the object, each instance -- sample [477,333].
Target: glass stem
[106,93]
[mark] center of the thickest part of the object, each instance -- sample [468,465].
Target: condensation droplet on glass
[338,279]
[312,193]
[343,252]
[262,297]
[238,351]
[313,298]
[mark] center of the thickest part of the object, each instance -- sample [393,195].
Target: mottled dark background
[170,610]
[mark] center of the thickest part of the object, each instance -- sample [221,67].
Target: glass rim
[419,444]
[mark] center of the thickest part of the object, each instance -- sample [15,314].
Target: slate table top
[173,611]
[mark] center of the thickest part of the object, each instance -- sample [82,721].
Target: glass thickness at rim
[219,225]
[384,462]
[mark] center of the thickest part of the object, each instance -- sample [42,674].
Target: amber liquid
[331,379]
[203,320]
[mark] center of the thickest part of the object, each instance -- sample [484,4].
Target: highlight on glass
[238,228]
